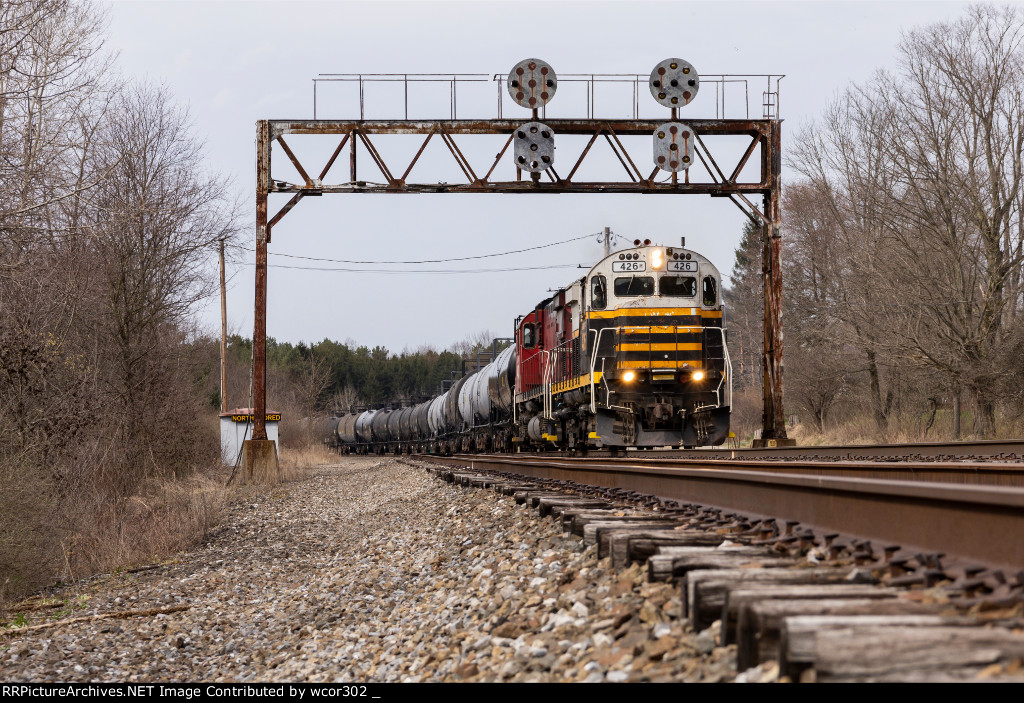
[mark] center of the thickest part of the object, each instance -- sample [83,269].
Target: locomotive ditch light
[629,376]
[697,376]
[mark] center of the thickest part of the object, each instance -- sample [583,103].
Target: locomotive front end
[632,355]
[659,353]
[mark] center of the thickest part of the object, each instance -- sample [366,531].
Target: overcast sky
[233,63]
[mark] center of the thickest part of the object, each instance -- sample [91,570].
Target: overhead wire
[406,272]
[424,261]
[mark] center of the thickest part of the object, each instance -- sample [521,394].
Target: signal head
[532,83]
[674,82]
[534,149]
[673,147]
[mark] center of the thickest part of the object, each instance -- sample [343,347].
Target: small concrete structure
[236,427]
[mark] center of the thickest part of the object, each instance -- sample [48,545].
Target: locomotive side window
[598,293]
[628,286]
[529,341]
[682,286]
[710,291]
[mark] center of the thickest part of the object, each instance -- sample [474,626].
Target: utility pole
[223,334]
[607,241]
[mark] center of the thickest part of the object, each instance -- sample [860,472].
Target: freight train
[631,355]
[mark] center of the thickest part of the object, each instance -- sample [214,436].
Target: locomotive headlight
[697,376]
[657,259]
[628,376]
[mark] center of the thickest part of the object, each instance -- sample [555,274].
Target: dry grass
[903,428]
[297,462]
[163,518]
[99,532]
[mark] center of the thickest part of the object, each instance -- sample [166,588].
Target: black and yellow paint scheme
[640,370]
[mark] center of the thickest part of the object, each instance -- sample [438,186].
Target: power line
[415,271]
[426,261]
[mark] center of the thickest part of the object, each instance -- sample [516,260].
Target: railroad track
[990,472]
[817,605]
[978,450]
[967,511]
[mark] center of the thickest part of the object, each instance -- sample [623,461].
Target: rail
[565,361]
[734,93]
[531,368]
[948,517]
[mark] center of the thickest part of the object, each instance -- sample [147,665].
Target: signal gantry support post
[725,179]
[773,419]
[259,455]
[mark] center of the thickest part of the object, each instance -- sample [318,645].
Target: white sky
[233,63]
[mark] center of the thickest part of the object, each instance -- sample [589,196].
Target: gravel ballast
[373,571]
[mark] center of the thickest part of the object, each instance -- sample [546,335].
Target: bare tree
[156,226]
[916,178]
[344,400]
[956,136]
[310,386]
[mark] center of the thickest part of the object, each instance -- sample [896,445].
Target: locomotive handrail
[546,385]
[608,390]
[727,361]
[593,362]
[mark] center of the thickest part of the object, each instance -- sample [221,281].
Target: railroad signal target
[674,82]
[673,147]
[534,147]
[532,83]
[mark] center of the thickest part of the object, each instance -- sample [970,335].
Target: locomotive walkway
[371,571]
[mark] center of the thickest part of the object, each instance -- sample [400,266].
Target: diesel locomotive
[633,354]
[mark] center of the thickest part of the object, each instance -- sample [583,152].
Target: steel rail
[994,448]
[989,473]
[972,522]
[991,449]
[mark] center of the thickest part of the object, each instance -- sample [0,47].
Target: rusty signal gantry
[764,134]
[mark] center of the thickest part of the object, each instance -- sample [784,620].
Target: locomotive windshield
[710,291]
[681,286]
[598,293]
[633,286]
[528,341]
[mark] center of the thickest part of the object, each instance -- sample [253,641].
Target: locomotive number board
[628,266]
[688,266]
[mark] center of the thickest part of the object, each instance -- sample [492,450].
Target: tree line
[335,378]
[903,242]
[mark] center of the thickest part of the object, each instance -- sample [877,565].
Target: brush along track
[797,603]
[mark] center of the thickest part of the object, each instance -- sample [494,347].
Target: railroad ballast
[633,354]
